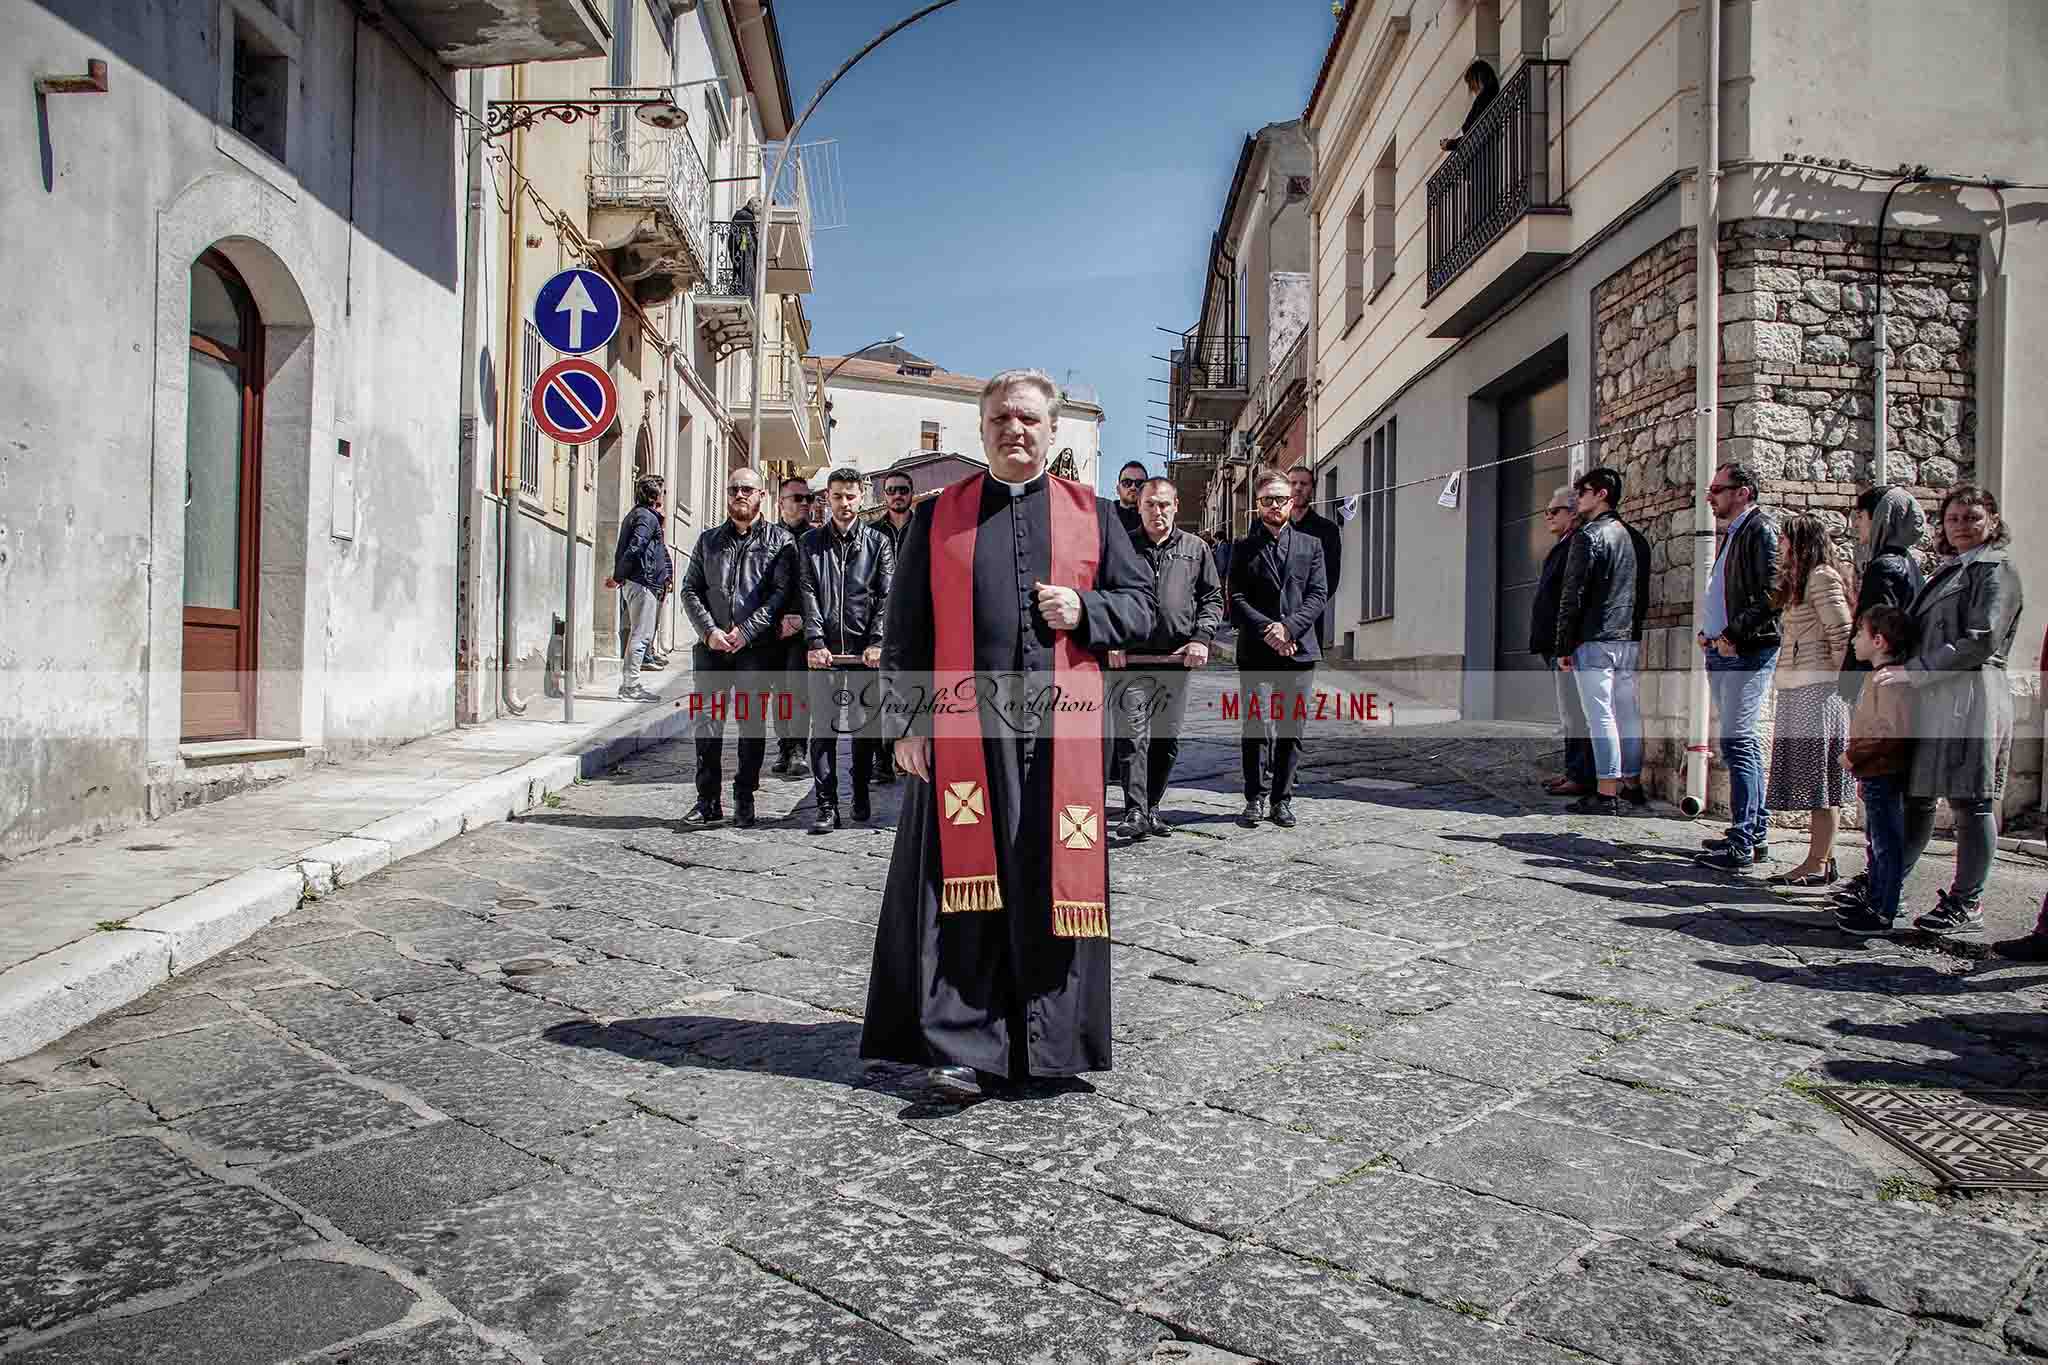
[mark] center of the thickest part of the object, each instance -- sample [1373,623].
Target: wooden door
[223,497]
[1532,420]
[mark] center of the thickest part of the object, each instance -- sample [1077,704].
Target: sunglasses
[1130,483]
[1721,487]
[742,490]
[900,491]
[801,497]
[1276,499]
[1548,510]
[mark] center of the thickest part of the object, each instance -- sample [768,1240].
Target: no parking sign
[575,401]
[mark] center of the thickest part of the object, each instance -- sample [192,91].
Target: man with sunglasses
[1277,594]
[739,583]
[793,506]
[897,496]
[1129,480]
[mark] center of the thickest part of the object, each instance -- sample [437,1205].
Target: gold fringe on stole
[1080,919]
[960,895]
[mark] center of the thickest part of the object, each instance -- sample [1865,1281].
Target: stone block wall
[1795,398]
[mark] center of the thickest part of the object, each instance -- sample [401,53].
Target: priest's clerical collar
[1017,489]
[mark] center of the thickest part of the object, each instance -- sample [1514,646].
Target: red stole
[967,848]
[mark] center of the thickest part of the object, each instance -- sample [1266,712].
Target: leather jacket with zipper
[1598,600]
[1749,576]
[843,586]
[747,581]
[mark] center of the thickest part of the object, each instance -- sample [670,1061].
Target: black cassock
[995,990]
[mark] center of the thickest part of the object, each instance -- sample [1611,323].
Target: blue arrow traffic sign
[577,311]
[574,400]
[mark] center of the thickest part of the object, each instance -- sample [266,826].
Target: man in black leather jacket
[844,571]
[792,724]
[740,581]
[1738,629]
[1596,639]
[642,574]
[1277,593]
[1561,519]
[1152,698]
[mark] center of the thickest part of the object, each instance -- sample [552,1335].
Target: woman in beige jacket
[1812,724]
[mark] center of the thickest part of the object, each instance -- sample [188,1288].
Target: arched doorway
[223,500]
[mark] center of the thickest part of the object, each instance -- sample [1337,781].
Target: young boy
[1879,755]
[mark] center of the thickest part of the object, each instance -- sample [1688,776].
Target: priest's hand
[1118,658]
[1194,654]
[872,656]
[820,657]
[1061,607]
[914,756]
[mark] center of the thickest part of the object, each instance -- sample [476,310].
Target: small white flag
[1347,509]
[1449,497]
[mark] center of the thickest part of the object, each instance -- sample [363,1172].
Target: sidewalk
[91,926]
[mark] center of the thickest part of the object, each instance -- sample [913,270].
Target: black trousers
[1272,726]
[1151,707]
[731,687]
[844,702]
[792,723]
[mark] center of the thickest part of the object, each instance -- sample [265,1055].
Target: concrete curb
[47,997]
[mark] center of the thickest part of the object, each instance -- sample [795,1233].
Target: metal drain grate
[1974,1139]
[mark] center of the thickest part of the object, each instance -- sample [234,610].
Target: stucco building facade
[1538,288]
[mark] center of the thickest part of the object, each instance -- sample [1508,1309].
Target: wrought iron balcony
[650,200]
[1211,378]
[1506,168]
[725,299]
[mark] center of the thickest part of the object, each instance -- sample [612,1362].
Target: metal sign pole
[569,593]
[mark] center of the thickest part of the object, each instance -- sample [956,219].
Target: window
[1354,264]
[1383,221]
[259,85]
[928,436]
[529,434]
[1376,526]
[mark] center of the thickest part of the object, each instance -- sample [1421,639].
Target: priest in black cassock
[992,952]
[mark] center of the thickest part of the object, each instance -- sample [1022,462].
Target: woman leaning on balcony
[1484,85]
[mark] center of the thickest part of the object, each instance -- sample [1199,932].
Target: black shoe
[863,810]
[1156,825]
[783,765]
[1761,852]
[637,693]
[826,820]
[1855,891]
[743,812]
[1950,916]
[2027,948]
[1595,804]
[1283,813]
[1638,795]
[1861,919]
[954,1082]
[1254,811]
[705,813]
[1133,827]
[1727,860]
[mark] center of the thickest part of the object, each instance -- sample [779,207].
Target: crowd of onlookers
[1889,682]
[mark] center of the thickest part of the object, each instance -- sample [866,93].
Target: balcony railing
[735,255]
[634,166]
[1211,377]
[1509,164]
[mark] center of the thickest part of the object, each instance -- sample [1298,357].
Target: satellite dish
[664,114]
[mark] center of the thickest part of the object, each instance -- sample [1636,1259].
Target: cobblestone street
[1439,1075]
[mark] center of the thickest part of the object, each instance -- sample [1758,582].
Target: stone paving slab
[391,1182]
[1223,1172]
[1605,1182]
[189,1071]
[279,1312]
[1703,1062]
[510,1098]
[1663,1118]
[1474,1042]
[296,1119]
[1295,1313]
[351,1030]
[442,1342]
[37,1120]
[953,1298]
[1636,1306]
[59,1187]
[1849,1247]
[1357,1098]
[193,1233]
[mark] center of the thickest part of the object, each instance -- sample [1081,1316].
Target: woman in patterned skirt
[1812,726]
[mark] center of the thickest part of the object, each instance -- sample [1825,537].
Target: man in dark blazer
[1277,594]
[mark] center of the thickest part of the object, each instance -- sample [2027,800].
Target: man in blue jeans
[1738,630]
[1595,641]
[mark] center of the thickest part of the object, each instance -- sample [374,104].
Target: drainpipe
[509,701]
[472,249]
[1706,395]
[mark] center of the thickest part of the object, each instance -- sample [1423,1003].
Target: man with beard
[895,524]
[1153,701]
[1277,595]
[793,509]
[1129,480]
[992,950]
[737,586]
[845,567]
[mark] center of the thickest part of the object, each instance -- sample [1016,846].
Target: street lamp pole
[826,378]
[768,205]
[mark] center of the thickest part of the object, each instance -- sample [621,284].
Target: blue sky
[1036,183]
